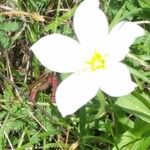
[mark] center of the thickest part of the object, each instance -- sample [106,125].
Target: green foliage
[6,27]
[104,123]
[144,3]
[9,26]
[4,40]
[136,138]
[141,109]
[60,20]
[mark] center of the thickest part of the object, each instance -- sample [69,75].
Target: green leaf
[4,40]
[60,20]
[136,138]
[144,13]
[9,26]
[96,139]
[139,74]
[144,145]
[144,3]
[126,12]
[82,117]
[122,122]
[135,106]
[127,141]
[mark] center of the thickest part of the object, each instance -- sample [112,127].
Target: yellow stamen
[97,61]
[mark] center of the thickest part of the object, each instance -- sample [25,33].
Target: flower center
[97,61]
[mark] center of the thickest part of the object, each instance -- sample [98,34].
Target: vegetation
[105,123]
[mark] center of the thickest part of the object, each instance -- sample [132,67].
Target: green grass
[105,123]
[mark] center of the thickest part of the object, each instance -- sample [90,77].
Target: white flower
[94,60]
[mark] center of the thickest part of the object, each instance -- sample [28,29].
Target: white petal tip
[64,113]
[125,90]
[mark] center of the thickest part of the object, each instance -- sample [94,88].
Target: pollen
[97,62]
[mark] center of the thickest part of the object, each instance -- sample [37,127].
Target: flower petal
[121,38]
[90,24]
[58,53]
[116,81]
[75,91]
